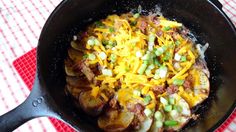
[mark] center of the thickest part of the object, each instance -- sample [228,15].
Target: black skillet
[204,18]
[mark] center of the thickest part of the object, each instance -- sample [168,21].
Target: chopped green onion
[142,69]
[171,45]
[151,66]
[102,55]
[163,101]
[111,29]
[85,56]
[133,23]
[162,71]
[136,15]
[96,41]
[137,93]
[158,124]
[146,57]
[150,46]
[177,42]
[104,42]
[145,62]
[168,108]
[113,58]
[91,57]
[107,72]
[159,51]
[167,56]
[99,24]
[171,123]
[108,46]
[151,38]
[177,57]
[114,43]
[172,100]
[164,47]
[158,115]
[177,66]
[178,82]
[167,28]
[174,113]
[91,41]
[147,99]
[156,62]
[183,58]
[178,108]
[148,72]
[127,69]
[147,112]
[110,43]
[156,76]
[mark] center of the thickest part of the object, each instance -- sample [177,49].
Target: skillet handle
[36,105]
[217,3]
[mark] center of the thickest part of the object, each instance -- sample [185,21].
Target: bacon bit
[159,89]
[84,68]
[135,123]
[113,103]
[156,21]
[177,49]
[172,89]
[143,25]
[184,31]
[96,69]
[137,108]
[159,33]
[187,84]
[175,36]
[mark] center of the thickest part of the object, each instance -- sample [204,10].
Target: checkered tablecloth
[21,22]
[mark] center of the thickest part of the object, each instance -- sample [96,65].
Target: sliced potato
[77,46]
[79,82]
[146,125]
[154,127]
[74,91]
[120,123]
[200,90]
[202,66]
[69,68]
[75,55]
[180,115]
[91,105]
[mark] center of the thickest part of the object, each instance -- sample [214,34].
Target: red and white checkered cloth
[21,22]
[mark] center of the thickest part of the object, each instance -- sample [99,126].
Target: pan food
[133,72]
[137,72]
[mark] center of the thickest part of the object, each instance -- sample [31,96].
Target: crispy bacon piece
[172,89]
[159,89]
[84,68]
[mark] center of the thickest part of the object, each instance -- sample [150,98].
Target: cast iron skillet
[204,18]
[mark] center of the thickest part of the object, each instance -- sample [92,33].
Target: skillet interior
[202,18]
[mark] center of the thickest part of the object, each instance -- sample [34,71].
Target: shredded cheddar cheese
[134,56]
[127,41]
